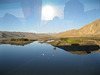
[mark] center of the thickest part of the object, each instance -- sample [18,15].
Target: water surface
[43,59]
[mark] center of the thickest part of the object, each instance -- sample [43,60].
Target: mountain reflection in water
[80,49]
[74,48]
[41,59]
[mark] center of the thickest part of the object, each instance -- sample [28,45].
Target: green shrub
[13,40]
[54,43]
[74,41]
[23,39]
[20,39]
[64,39]
[28,39]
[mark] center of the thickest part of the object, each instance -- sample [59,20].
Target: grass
[54,43]
[71,41]
[64,39]
[74,41]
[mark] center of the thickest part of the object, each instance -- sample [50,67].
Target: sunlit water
[43,59]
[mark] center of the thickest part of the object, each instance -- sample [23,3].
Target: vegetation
[54,43]
[20,39]
[96,38]
[13,40]
[74,41]
[71,41]
[64,39]
[54,48]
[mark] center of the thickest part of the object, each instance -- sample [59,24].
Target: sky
[50,10]
[57,4]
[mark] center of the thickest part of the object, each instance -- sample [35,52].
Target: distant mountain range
[4,34]
[90,30]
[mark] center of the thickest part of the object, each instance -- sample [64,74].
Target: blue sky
[54,2]
[62,2]
[58,5]
[88,4]
[10,6]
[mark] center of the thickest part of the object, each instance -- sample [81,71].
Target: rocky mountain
[90,30]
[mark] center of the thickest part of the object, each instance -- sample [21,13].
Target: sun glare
[48,12]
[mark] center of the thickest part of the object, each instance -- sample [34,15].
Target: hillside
[90,30]
[4,34]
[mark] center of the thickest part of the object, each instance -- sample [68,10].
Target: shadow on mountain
[80,49]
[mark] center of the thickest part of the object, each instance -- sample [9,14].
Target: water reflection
[74,48]
[80,49]
[41,59]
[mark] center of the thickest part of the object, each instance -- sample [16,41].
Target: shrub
[13,40]
[54,43]
[20,39]
[54,48]
[64,39]
[74,41]
[23,39]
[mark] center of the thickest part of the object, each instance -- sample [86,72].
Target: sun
[48,12]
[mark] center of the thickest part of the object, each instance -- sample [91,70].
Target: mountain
[90,30]
[4,34]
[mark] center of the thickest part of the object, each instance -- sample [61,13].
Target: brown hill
[4,34]
[90,30]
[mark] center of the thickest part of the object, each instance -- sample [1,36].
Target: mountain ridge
[89,30]
[6,34]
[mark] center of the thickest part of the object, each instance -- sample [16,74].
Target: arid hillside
[90,30]
[4,34]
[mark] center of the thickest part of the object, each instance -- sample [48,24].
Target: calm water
[43,59]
